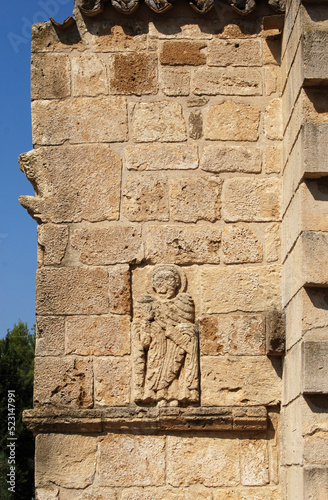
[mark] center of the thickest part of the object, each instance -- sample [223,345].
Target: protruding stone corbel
[275,333]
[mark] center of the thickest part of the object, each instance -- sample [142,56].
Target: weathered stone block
[47,493]
[202,460]
[54,122]
[98,335]
[304,265]
[85,183]
[182,245]
[230,121]
[180,53]
[292,374]
[272,51]
[171,28]
[196,492]
[106,35]
[159,121]
[246,199]
[315,105]
[315,367]
[175,81]
[238,334]
[91,493]
[227,81]
[313,305]
[246,289]
[146,197]
[231,159]
[315,483]
[315,146]
[240,245]
[273,120]
[240,28]
[50,76]
[112,382]
[307,211]
[196,124]
[260,493]
[307,158]
[66,460]
[132,460]
[316,448]
[234,53]
[315,60]
[292,450]
[134,73]
[254,460]
[294,482]
[272,159]
[107,244]
[72,290]
[272,243]
[195,198]
[50,336]
[159,157]
[119,289]
[63,381]
[46,39]
[272,80]
[240,380]
[88,75]
[52,241]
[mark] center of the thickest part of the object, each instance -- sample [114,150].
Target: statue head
[166,281]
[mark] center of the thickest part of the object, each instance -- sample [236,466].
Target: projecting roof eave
[92,8]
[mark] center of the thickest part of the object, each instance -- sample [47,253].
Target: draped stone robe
[165,350]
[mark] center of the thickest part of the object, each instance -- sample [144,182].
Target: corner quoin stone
[75,174]
[66,460]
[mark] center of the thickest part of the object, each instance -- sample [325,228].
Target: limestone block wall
[157,141]
[304,415]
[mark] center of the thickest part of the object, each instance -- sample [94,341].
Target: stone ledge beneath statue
[169,419]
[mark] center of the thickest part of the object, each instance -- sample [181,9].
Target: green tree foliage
[16,374]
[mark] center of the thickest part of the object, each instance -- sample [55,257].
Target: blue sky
[17,228]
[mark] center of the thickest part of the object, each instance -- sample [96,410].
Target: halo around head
[177,271]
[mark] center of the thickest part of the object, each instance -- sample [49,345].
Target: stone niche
[157,175]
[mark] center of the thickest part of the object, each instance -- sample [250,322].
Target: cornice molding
[143,419]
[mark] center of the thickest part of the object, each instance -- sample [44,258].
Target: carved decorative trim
[204,419]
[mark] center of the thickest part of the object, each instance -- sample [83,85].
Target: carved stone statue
[165,342]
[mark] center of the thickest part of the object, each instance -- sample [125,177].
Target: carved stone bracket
[205,419]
